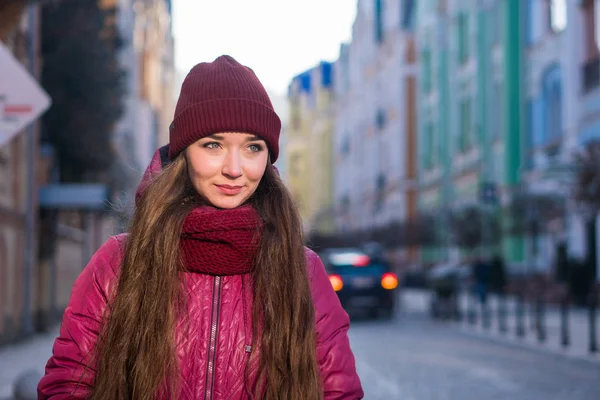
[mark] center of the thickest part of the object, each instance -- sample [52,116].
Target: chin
[227,203]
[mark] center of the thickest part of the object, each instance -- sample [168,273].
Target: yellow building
[309,147]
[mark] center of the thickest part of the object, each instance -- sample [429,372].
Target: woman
[211,295]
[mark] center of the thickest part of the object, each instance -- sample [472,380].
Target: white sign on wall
[22,100]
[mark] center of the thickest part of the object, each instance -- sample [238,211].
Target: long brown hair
[135,353]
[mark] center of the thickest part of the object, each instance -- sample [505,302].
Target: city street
[413,358]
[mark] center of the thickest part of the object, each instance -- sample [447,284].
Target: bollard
[539,319]
[565,340]
[457,312]
[472,311]
[532,314]
[520,314]
[485,316]
[502,314]
[592,322]
[25,386]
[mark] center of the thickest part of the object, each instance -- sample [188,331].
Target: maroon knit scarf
[221,242]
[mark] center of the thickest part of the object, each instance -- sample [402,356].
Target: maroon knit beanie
[223,96]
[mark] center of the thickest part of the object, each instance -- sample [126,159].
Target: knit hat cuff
[225,115]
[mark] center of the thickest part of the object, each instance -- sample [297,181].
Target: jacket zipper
[214,333]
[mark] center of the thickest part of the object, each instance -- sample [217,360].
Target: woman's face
[226,168]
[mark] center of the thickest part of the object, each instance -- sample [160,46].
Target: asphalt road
[415,358]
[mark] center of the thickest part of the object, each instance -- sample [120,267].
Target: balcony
[591,75]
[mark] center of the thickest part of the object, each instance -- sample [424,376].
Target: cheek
[203,168]
[256,170]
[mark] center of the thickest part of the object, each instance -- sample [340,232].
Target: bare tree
[472,227]
[587,180]
[530,213]
[587,195]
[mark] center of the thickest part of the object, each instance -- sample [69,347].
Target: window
[531,133]
[590,68]
[497,110]
[345,204]
[380,119]
[408,14]
[558,15]
[463,38]
[537,20]
[345,147]
[465,134]
[553,102]
[379,192]
[496,19]
[429,147]
[379,21]
[589,31]
[426,70]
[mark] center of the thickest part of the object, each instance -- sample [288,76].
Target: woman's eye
[211,145]
[255,148]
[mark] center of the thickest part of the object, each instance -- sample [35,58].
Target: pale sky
[278,39]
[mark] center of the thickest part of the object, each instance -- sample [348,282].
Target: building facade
[508,92]
[562,99]
[154,46]
[309,135]
[147,58]
[470,109]
[375,118]
[19,182]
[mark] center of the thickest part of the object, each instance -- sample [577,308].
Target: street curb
[526,346]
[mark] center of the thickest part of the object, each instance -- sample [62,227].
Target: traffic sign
[22,100]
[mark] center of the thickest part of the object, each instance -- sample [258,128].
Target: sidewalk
[578,329]
[415,300]
[30,354]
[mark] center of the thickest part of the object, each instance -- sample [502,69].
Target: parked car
[361,283]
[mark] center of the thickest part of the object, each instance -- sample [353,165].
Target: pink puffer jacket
[213,350]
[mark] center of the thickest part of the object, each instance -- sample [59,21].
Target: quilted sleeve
[68,373]
[336,360]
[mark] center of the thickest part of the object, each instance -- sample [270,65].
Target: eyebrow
[253,138]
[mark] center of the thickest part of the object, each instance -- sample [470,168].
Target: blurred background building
[19,32]
[308,147]
[148,63]
[57,209]
[376,121]
[457,130]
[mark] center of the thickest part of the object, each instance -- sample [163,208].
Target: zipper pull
[248,348]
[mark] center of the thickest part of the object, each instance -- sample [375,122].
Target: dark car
[361,282]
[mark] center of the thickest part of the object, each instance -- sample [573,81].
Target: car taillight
[336,282]
[389,281]
[361,261]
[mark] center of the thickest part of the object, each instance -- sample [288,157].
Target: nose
[232,165]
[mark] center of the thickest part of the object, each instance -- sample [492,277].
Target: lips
[230,190]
